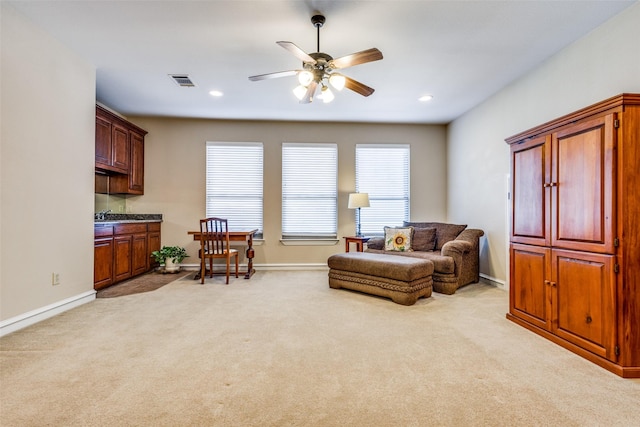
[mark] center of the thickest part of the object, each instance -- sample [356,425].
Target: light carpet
[283,349]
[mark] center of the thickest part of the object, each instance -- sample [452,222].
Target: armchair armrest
[456,248]
[471,235]
[471,256]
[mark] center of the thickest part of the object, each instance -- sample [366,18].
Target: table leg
[250,255]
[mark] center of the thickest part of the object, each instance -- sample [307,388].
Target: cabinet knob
[589,319]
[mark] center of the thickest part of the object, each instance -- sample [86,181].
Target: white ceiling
[461,52]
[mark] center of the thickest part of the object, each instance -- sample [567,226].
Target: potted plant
[170,257]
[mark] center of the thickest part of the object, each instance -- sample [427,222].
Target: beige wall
[46,168]
[175,170]
[602,64]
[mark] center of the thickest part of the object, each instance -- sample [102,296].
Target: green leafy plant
[175,253]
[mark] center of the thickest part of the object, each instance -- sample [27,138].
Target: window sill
[309,242]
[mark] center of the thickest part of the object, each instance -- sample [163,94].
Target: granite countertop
[111,218]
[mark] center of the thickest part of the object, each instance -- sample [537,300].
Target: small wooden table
[358,240]
[237,236]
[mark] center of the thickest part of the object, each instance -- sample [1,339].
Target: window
[234,184]
[309,191]
[382,170]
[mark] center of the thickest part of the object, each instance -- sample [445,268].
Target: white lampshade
[300,91]
[358,200]
[326,95]
[305,77]
[337,81]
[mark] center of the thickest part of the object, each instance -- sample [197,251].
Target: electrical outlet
[55,279]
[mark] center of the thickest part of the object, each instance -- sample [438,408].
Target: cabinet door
[102,262]
[583,186]
[529,297]
[123,246]
[153,244]
[583,298]
[139,254]
[103,142]
[530,195]
[136,169]
[120,148]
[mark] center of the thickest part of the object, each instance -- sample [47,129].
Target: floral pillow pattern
[397,238]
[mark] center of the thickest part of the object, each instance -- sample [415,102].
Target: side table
[358,240]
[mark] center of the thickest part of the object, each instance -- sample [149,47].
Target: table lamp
[357,201]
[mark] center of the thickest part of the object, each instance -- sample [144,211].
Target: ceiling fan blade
[273,75]
[362,57]
[358,87]
[308,97]
[299,53]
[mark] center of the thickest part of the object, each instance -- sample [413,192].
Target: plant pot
[170,266]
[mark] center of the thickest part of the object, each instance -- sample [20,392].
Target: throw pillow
[444,232]
[376,243]
[424,239]
[397,238]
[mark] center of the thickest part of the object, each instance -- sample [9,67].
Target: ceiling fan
[318,70]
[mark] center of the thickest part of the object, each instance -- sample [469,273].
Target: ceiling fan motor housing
[321,68]
[318,20]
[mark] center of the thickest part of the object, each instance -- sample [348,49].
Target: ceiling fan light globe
[299,92]
[326,95]
[305,77]
[337,81]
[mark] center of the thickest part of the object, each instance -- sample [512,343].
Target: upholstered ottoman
[403,279]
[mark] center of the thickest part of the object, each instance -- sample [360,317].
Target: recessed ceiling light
[215,93]
[425,98]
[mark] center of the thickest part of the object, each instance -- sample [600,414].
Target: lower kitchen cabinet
[103,258]
[122,247]
[122,251]
[153,243]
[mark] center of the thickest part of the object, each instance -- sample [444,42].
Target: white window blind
[382,170]
[234,184]
[309,190]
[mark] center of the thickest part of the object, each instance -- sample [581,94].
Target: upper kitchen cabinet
[119,155]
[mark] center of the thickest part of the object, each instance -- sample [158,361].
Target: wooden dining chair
[214,243]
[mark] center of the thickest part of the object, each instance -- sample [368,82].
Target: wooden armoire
[575,232]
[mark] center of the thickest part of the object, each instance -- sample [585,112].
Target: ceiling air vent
[182,80]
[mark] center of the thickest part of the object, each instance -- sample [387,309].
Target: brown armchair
[455,254]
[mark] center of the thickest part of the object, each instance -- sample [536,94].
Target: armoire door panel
[584,300]
[582,186]
[530,274]
[530,172]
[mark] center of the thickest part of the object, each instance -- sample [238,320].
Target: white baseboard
[274,267]
[27,319]
[268,267]
[496,282]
